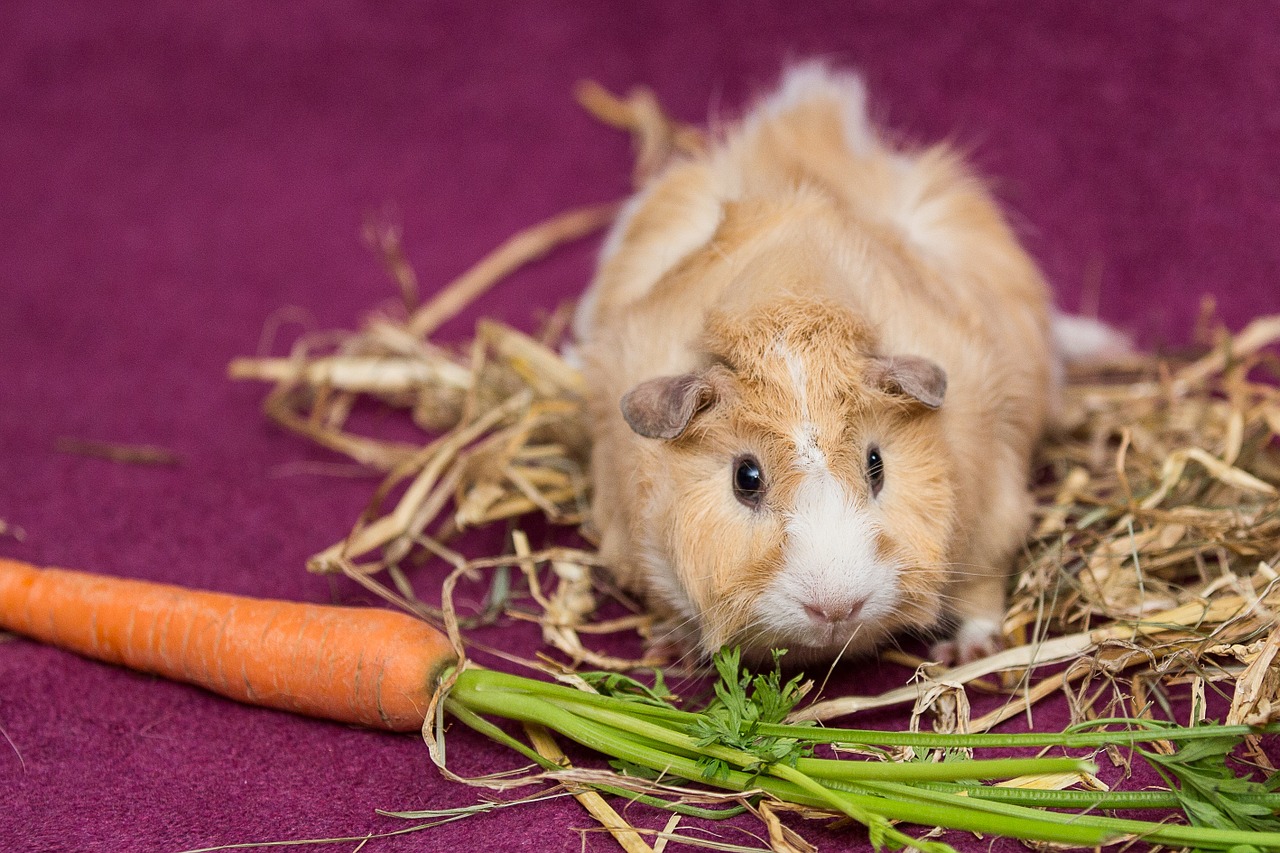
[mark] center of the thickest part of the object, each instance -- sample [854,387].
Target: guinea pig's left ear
[663,407]
[918,378]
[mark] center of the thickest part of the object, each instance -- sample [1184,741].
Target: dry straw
[1152,568]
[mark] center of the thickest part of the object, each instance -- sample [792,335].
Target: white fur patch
[815,80]
[584,317]
[1083,339]
[809,454]
[694,219]
[613,240]
[829,561]
[919,211]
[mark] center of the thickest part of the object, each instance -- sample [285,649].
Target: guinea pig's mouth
[818,627]
[817,643]
[839,640]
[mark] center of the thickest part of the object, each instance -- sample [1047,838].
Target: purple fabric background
[173,173]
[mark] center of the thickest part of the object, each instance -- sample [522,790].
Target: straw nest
[1151,571]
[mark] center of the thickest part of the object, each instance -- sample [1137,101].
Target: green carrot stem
[1073,738]
[786,785]
[1109,800]
[876,824]
[489,679]
[1069,739]
[655,747]
[489,730]
[1159,833]
[1003,768]
[619,744]
[474,721]
[949,771]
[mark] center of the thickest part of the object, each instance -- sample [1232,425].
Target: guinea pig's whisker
[959,574]
[690,654]
[676,629]
[946,600]
[895,642]
[957,567]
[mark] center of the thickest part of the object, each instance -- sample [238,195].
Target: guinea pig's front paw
[974,639]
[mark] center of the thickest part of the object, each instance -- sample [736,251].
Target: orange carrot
[356,665]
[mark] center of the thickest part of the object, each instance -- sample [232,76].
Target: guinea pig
[817,367]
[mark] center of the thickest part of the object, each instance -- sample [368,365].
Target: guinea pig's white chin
[841,640]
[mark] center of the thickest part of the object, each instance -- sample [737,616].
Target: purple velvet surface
[175,173]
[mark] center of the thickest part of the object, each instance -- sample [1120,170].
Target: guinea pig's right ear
[911,376]
[663,407]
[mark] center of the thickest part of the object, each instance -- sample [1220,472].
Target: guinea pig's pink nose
[830,613]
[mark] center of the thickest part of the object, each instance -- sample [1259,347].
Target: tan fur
[789,238]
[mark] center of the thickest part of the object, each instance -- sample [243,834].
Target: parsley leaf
[741,704]
[1209,791]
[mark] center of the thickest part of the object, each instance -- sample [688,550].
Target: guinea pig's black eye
[748,482]
[875,470]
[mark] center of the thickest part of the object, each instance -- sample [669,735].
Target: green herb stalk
[739,742]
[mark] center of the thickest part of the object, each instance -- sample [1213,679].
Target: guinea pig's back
[814,135]
[927,254]
[924,253]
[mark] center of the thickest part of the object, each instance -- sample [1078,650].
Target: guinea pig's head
[804,495]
